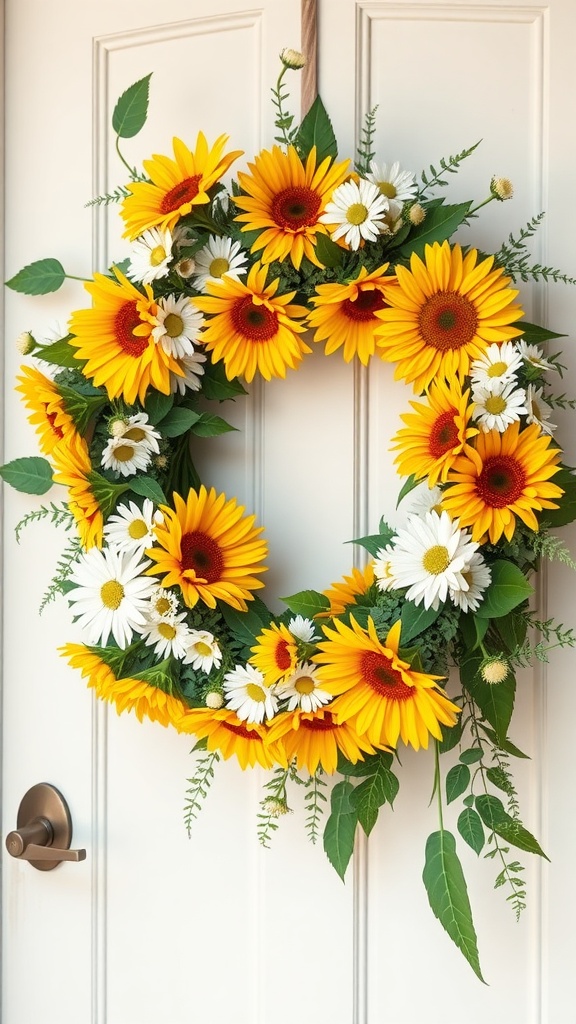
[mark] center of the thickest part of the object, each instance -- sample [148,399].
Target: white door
[154,928]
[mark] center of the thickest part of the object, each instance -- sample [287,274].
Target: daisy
[428,558]
[303,629]
[178,324]
[383,569]
[136,428]
[498,405]
[218,257]
[477,576]
[435,433]
[498,363]
[539,411]
[357,211]
[396,185]
[275,653]
[190,377]
[315,739]
[125,457]
[130,528]
[111,594]
[203,651]
[226,733]
[426,499]
[303,690]
[345,314]
[150,256]
[163,604]
[534,356]
[170,637]
[443,313]
[248,694]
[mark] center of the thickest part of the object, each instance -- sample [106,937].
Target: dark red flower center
[125,322]
[184,192]
[282,655]
[51,417]
[254,322]
[319,724]
[383,678]
[202,554]
[365,306]
[448,321]
[444,434]
[501,481]
[241,730]
[295,208]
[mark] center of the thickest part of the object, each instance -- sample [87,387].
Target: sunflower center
[497,369]
[282,655]
[501,481]
[111,594]
[495,404]
[51,417]
[305,684]
[387,189]
[184,192]
[202,649]
[163,605]
[357,213]
[137,529]
[241,730]
[257,323]
[166,630]
[436,559]
[256,693]
[125,323]
[447,321]
[157,256]
[202,554]
[319,724]
[218,267]
[444,434]
[385,680]
[124,452]
[295,208]
[173,325]
[364,307]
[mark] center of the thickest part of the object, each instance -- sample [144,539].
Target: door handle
[43,830]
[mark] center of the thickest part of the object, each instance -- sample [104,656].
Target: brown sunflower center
[282,655]
[444,434]
[501,481]
[51,417]
[448,321]
[202,554]
[126,321]
[385,680]
[184,192]
[365,306]
[257,323]
[295,208]
[319,724]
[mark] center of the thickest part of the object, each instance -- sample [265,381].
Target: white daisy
[163,605]
[193,371]
[534,356]
[498,405]
[150,256]
[111,595]
[125,457]
[203,651]
[303,629]
[248,695]
[185,267]
[170,637]
[358,211]
[136,428]
[425,499]
[131,528]
[477,576]
[429,557]
[178,324]
[303,689]
[396,185]
[383,569]
[538,410]
[218,257]
[498,362]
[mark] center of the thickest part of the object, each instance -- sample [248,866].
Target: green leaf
[32,475]
[148,487]
[341,827]
[451,736]
[536,335]
[512,629]
[38,278]
[409,484]
[369,766]
[471,756]
[492,812]
[446,887]
[211,426]
[217,387]
[61,353]
[473,630]
[440,223]
[328,252]
[507,589]
[246,626]
[496,701]
[82,407]
[131,110]
[157,406]
[307,603]
[471,830]
[566,512]
[316,130]
[178,421]
[457,781]
[506,745]
[498,777]
[415,619]
[368,798]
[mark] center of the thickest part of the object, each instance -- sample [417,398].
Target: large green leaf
[503,744]
[496,700]
[328,252]
[494,816]
[246,626]
[32,475]
[61,353]
[507,589]
[471,829]
[316,130]
[446,887]
[157,406]
[307,603]
[369,766]
[38,278]
[131,110]
[415,619]
[536,335]
[439,225]
[178,421]
[457,781]
[566,512]
[341,827]
[148,487]
[211,426]
[217,387]
[368,798]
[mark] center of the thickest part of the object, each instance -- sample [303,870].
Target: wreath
[164,575]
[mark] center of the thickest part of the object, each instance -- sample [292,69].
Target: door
[154,926]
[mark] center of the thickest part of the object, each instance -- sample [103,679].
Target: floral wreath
[163,574]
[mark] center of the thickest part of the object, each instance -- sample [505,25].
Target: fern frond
[450,165]
[59,515]
[365,148]
[64,569]
[198,787]
[111,197]
[313,800]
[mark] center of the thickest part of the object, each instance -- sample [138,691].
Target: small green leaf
[38,278]
[307,603]
[157,406]
[471,830]
[217,387]
[498,777]
[316,130]
[446,887]
[415,619]
[471,756]
[440,224]
[246,626]
[369,766]
[148,487]
[328,252]
[368,798]
[507,589]
[492,812]
[374,542]
[211,426]
[178,421]
[409,484]
[451,735]
[32,475]
[506,745]
[536,335]
[566,512]
[131,110]
[457,781]
[341,828]
[473,631]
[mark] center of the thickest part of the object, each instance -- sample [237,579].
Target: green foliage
[316,131]
[208,425]
[61,353]
[341,827]
[448,895]
[30,474]
[59,515]
[415,619]
[131,110]
[64,568]
[471,829]
[448,165]
[566,512]
[314,798]
[495,701]
[198,787]
[157,406]
[116,196]
[457,781]
[494,816]
[38,278]
[366,151]
[307,603]
[513,256]
[178,421]
[508,588]
[148,487]
[274,804]
[374,542]
[440,223]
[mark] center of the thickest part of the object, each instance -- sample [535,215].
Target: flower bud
[502,188]
[26,343]
[214,700]
[495,670]
[416,214]
[292,59]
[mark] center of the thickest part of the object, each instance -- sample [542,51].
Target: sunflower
[314,738]
[443,313]
[175,186]
[382,696]
[435,433]
[275,653]
[115,339]
[223,731]
[345,314]
[505,476]
[210,549]
[127,694]
[48,408]
[252,328]
[73,468]
[345,591]
[284,201]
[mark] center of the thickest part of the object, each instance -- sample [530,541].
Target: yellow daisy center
[357,213]
[111,594]
[218,267]
[166,630]
[163,606]
[305,684]
[255,692]
[157,256]
[137,529]
[387,189]
[495,404]
[436,559]
[173,325]
[202,649]
[497,369]
[124,452]
[447,321]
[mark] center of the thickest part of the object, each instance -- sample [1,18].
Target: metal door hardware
[43,830]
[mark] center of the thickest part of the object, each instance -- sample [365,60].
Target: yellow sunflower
[505,476]
[175,186]
[73,468]
[345,314]
[251,327]
[378,692]
[345,591]
[284,201]
[314,738]
[210,549]
[225,732]
[275,653]
[435,433]
[48,409]
[443,313]
[115,339]
[126,694]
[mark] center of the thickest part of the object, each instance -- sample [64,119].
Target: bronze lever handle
[44,829]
